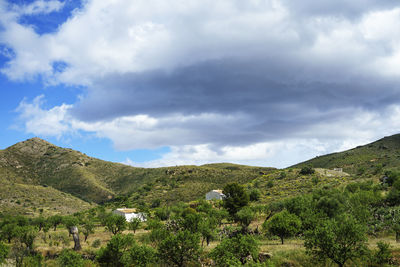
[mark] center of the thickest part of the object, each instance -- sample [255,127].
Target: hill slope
[37,162]
[369,159]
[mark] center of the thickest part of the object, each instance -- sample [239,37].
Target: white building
[215,194]
[130,214]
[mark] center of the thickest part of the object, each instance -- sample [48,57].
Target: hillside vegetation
[35,162]
[369,159]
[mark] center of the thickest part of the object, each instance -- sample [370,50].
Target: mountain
[36,163]
[370,159]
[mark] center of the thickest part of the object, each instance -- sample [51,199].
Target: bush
[96,243]
[383,255]
[140,256]
[70,258]
[112,254]
[254,195]
[235,251]
[3,252]
[180,249]
[307,170]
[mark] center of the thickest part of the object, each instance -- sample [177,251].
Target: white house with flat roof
[215,194]
[130,214]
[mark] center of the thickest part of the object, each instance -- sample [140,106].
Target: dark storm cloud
[268,98]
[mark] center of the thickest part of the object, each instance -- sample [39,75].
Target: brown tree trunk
[398,237]
[75,235]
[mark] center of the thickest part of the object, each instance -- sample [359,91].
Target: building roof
[218,191]
[124,210]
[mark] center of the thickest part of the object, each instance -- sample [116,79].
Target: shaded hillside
[27,199]
[369,159]
[37,162]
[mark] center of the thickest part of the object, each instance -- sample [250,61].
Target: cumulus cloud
[219,80]
[190,144]
[38,7]
[51,122]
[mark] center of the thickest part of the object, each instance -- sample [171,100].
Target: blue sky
[150,83]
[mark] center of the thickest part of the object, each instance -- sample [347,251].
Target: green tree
[207,229]
[235,198]
[179,249]
[70,258]
[3,252]
[115,223]
[283,224]
[134,224]
[244,217]
[55,221]
[87,227]
[339,240]
[235,251]
[112,254]
[139,255]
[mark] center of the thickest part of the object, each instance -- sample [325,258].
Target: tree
[141,256]
[339,239]
[235,198]
[207,229]
[87,228]
[244,217]
[115,223]
[235,251]
[40,222]
[3,252]
[70,258]
[283,224]
[180,248]
[112,254]
[134,224]
[55,221]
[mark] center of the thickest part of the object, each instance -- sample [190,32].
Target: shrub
[254,195]
[307,170]
[383,255]
[96,243]
[235,251]
[180,249]
[3,252]
[70,258]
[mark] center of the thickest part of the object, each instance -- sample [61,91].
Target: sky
[154,83]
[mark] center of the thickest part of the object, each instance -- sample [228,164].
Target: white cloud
[113,38]
[118,36]
[142,131]
[35,119]
[39,7]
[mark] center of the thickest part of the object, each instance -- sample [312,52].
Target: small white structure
[215,194]
[130,214]
[338,169]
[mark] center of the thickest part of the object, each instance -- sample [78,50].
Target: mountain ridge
[37,162]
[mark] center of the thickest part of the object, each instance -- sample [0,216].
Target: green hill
[35,162]
[367,160]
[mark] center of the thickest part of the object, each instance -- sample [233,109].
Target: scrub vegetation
[306,215]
